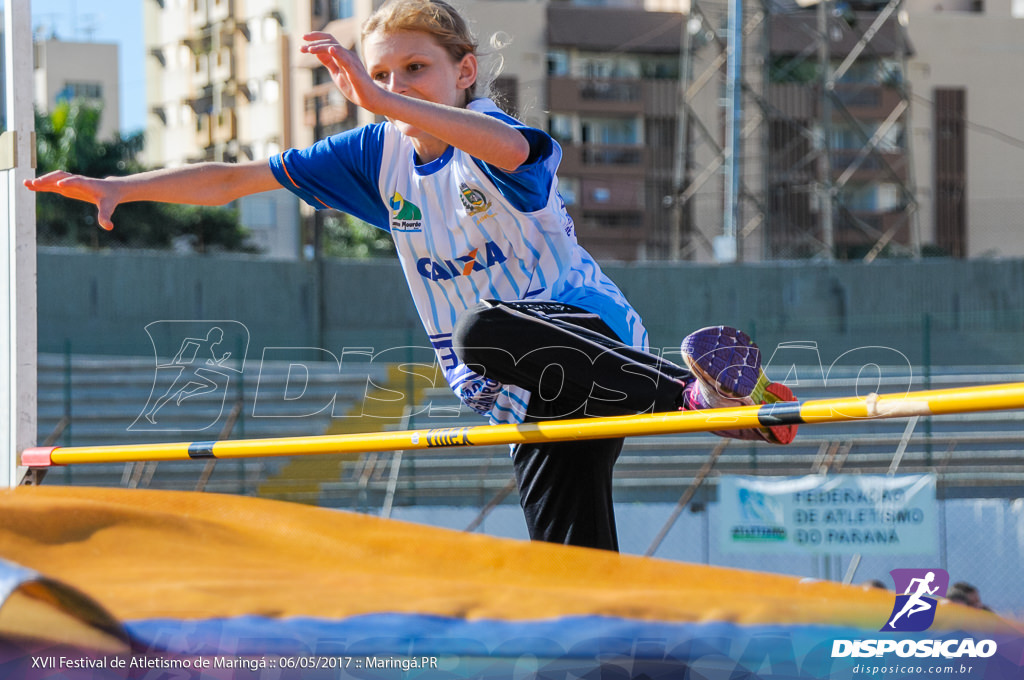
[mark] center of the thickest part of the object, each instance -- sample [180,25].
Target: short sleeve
[528,186]
[339,172]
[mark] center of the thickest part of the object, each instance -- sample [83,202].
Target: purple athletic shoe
[727,366]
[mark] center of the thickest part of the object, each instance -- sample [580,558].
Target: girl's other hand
[96,191]
[346,69]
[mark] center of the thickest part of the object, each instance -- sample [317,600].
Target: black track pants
[574,367]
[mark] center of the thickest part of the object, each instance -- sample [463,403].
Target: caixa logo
[917,594]
[473,261]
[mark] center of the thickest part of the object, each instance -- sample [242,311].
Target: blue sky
[110,21]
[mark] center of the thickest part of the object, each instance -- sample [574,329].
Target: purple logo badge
[917,591]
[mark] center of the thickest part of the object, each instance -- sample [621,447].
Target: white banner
[829,514]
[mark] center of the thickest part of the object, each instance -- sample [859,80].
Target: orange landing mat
[153,560]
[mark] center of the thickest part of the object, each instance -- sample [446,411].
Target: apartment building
[888,164]
[839,180]
[612,100]
[645,172]
[921,135]
[967,124]
[66,70]
[225,82]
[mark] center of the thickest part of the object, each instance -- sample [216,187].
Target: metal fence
[934,312]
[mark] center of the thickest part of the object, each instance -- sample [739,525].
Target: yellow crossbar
[873,406]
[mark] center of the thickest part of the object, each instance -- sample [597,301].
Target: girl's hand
[99,192]
[346,69]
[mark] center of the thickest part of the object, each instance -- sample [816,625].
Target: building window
[600,65]
[558,63]
[872,198]
[659,67]
[271,29]
[789,69]
[617,131]
[851,138]
[81,90]
[569,190]
[610,90]
[560,127]
[254,87]
[341,9]
[271,90]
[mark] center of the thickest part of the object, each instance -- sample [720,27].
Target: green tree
[66,139]
[346,236]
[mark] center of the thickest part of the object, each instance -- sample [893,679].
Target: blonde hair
[434,17]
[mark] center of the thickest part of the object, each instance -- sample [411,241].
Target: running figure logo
[205,355]
[914,610]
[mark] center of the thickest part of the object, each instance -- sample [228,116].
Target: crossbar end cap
[38,456]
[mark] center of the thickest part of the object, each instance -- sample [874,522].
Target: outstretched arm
[479,135]
[198,184]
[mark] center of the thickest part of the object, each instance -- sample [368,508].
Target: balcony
[862,101]
[225,126]
[793,100]
[790,33]
[200,41]
[617,159]
[221,10]
[868,101]
[203,102]
[604,96]
[204,131]
[158,54]
[876,166]
[223,66]
[324,106]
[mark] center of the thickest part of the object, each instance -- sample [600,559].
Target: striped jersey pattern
[464,231]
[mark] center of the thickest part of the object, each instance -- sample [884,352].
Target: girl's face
[414,64]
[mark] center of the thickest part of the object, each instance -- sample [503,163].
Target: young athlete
[523,321]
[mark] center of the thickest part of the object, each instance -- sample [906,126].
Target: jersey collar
[434,165]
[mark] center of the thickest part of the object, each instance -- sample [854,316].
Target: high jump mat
[102,583]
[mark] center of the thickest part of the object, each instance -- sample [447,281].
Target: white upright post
[18,263]
[726,246]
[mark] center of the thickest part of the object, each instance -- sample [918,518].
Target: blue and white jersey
[464,231]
